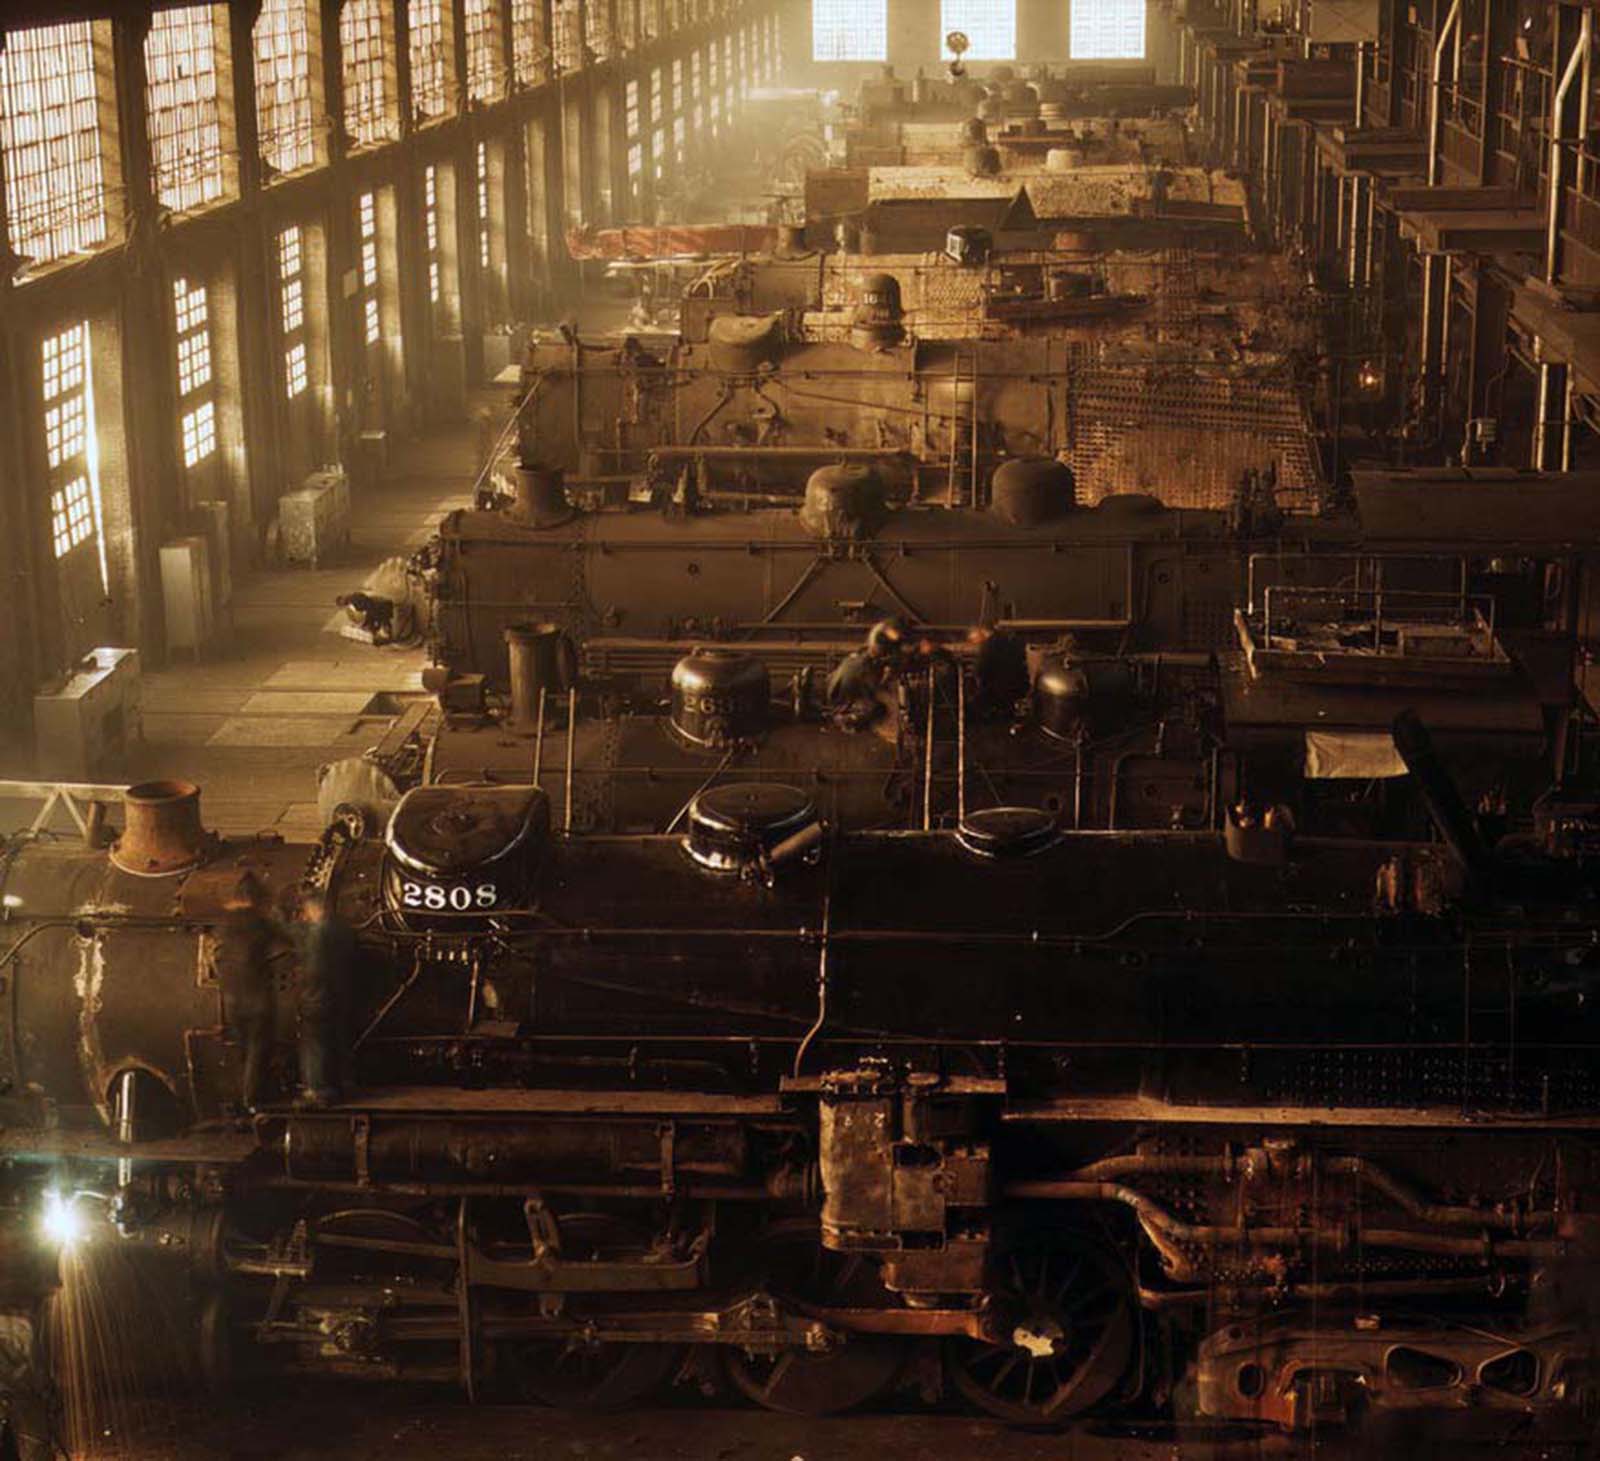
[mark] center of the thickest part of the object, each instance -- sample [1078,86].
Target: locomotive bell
[745,826]
[1019,99]
[1055,97]
[1027,491]
[841,501]
[719,697]
[877,322]
[161,831]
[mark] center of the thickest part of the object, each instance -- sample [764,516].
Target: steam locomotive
[1250,1124]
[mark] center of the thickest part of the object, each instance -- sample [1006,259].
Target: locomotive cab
[457,855]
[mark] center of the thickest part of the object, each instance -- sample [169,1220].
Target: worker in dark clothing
[327,969]
[371,612]
[247,940]
[1000,670]
[856,687]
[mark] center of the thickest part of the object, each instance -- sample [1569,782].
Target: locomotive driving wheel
[793,1268]
[1067,1340]
[576,1371]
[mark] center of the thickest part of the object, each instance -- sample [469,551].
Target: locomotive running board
[1142,1109]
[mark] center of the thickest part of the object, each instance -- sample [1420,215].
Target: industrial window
[430,227]
[649,21]
[627,25]
[597,29]
[655,95]
[677,86]
[367,230]
[694,75]
[196,394]
[716,115]
[989,25]
[183,107]
[486,72]
[678,132]
[430,58]
[849,30]
[292,308]
[630,109]
[658,153]
[483,204]
[369,94]
[529,50]
[1107,30]
[50,132]
[744,60]
[75,515]
[283,84]
[568,23]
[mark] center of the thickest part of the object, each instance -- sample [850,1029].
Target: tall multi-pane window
[292,309]
[697,108]
[482,162]
[367,232]
[50,133]
[183,107]
[990,27]
[430,58]
[69,435]
[486,70]
[677,87]
[371,109]
[849,30]
[658,136]
[597,30]
[530,58]
[197,404]
[283,85]
[1107,30]
[567,19]
[430,227]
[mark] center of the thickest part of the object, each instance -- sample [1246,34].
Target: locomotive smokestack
[1440,796]
[541,497]
[541,659]
[161,830]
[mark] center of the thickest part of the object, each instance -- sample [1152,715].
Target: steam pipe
[1435,115]
[1578,59]
[572,736]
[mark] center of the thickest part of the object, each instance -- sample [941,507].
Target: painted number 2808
[457,899]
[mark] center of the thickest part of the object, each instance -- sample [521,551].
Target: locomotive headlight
[11,900]
[60,1221]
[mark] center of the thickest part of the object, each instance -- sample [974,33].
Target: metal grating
[283,85]
[530,48]
[1107,30]
[486,70]
[430,58]
[50,132]
[370,107]
[183,108]
[1186,431]
[849,30]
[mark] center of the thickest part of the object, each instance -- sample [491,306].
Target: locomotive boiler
[1256,1125]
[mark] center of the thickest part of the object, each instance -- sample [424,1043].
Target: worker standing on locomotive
[247,941]
[327,968]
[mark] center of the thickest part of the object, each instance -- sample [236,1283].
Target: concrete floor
[252,720]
